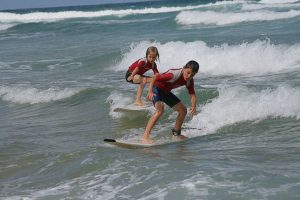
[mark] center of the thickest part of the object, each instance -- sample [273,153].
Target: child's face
[188,74]
[151,57]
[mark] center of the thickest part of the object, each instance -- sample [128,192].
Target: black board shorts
[128,73]
[169,98]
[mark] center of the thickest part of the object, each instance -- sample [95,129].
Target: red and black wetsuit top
[143,66]
[173,78]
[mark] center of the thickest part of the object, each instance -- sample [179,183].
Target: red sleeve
[140,64]
[164,77]
[190,87]
[137,64]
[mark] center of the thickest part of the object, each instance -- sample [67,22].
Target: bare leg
[138,99]
[182,111]
[159,106]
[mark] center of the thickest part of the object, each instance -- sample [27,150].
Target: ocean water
[62,76]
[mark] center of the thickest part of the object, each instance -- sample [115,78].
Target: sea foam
[117,100]
[238,104]
[258,57]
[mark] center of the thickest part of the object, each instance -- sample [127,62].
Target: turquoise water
[62,76]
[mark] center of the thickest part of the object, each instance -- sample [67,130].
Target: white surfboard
[139,144]
[133,107]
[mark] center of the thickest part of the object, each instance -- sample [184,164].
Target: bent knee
[143,81]
[183,111]
[160,109]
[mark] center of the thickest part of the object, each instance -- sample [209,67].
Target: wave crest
[258,57]
[238,104]
[22,95]
[6,17]
[218,18]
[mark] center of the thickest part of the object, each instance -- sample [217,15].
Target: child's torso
[171,79]
[143,66]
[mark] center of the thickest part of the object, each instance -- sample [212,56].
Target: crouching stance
[160,92]
[135,73]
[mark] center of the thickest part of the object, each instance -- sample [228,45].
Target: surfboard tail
[109,140]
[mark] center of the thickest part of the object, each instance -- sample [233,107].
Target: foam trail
[22,95]
[217,18]
[238,104]
[259,57]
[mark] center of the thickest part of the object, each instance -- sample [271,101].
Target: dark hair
[193,65]
[152,49]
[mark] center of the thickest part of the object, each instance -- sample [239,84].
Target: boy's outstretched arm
[193,110]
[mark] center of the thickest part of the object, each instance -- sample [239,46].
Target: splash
[117,100]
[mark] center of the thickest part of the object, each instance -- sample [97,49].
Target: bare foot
[179,137]
[146,140]
[139,103]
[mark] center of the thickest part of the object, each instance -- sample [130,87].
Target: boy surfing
[160,92]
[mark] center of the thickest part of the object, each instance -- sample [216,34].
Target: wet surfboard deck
[133,107]
[139,144]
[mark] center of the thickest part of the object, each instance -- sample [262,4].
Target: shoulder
[144,60]
[177,72]
[141,61]
[173,74]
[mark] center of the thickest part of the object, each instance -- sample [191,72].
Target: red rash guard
[173,78]
[143,66]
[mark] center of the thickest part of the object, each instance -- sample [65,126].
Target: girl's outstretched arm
[150,90]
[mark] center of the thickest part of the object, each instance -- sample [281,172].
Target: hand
[150,96]
[130,78]
[193,111]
